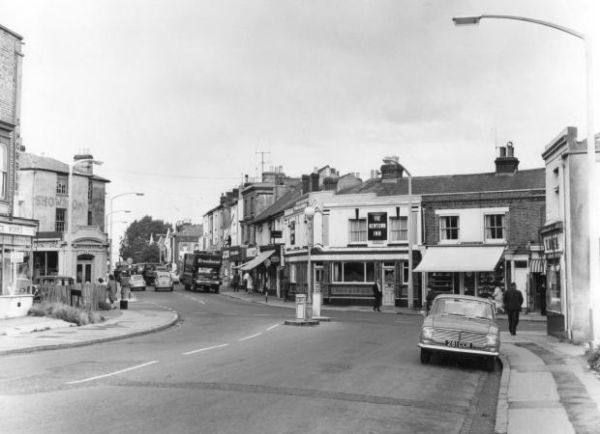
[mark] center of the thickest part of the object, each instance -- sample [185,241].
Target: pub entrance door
[389,285]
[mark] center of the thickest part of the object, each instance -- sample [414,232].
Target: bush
[66,313]
[593,358]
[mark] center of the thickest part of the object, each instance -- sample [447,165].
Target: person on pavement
[112,289]
[498,296]
[431,294]
[376,297]
[249,283]
[513,299]
[235,281]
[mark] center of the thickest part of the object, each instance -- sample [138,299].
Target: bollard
[301,306]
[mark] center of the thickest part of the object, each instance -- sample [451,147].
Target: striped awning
[537,265]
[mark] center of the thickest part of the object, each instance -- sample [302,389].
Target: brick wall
[526,213]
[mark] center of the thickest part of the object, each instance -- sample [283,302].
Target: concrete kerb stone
[174,319]
[501,425]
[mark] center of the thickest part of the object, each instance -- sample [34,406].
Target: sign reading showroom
[377,226]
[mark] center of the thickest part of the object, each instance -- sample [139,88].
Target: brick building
[16,234]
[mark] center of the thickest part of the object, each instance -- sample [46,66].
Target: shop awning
[460,259]
[537,266]
[255,262]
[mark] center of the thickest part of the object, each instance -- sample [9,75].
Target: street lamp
[594,248]
[69,261]
[313,297]
[411,294]
[111,221]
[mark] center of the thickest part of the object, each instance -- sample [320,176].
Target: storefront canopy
[460,259]
[255,262]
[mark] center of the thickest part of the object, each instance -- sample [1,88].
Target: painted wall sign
[56,202]
[6,228]
[377,226]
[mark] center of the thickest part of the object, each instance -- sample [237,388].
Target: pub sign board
[377,226]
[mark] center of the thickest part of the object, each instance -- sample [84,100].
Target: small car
[163,280]
[136,281]
[461,324]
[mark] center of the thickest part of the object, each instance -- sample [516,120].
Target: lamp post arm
[540,22]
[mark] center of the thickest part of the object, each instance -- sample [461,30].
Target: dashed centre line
[214,347]
[250,337]
[112,373]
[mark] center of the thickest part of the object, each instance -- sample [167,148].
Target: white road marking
[250,337]
[113,373]
[272,327]
[205,349]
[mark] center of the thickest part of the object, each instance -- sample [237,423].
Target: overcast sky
[178,97]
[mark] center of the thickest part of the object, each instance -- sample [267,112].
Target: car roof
[464,297]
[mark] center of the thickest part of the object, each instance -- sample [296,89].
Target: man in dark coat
[376,297]
[431,294]
[513,299]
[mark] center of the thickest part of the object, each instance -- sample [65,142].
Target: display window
[355,272]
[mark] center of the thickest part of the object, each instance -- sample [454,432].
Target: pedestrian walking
[112,289]
[235,281]
[513,299]
[431,295]
[376,297]
[498,297]
[285,287]
[249,282]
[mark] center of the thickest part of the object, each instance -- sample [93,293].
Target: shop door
[317,278]
[389,286]
[521,272]
[84,271]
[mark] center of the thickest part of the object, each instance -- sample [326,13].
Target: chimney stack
[506,162]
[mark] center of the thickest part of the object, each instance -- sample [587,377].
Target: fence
[88,295]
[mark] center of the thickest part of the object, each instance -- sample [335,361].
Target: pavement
[546,385]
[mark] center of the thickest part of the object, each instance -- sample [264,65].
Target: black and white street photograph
[300,216]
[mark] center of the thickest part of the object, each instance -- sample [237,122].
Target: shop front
[553,241]
[16,238]
[463,270]
[347,278]
[233,257]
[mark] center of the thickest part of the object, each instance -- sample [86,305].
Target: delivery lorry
[202,270]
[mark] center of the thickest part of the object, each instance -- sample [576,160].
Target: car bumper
[459,350]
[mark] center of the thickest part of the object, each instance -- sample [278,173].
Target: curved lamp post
[69,260]
[111,221]
[411,293]
[594,248]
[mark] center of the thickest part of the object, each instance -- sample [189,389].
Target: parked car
[136,281]
[463,325]
[163,280]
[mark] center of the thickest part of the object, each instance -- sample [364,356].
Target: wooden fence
[87,296]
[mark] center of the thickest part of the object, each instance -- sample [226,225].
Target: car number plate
[458,344]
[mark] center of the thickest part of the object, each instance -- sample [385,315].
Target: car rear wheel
[425,356]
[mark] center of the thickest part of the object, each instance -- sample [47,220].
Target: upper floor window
[62,185]
[494,227]
[3,170]
[90,191]
[449,227]
[61,214]
[398,228]
[358,230]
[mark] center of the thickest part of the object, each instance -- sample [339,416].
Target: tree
[136,242]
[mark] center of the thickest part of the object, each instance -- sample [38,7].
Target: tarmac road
[232,367]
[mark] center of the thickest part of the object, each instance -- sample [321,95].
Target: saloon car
[461,325]
[163,280]
[136,281]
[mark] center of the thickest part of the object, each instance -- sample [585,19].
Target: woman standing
[376,297]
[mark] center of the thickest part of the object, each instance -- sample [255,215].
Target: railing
[88,295]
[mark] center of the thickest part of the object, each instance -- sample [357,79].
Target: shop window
[358,230]
[449,227]
[441,282]
[3,170]
[553,302]
[494,227]
[293,273]
[60,219]
[62,185]
[398,228]
[361,272]
[489,280]
[405,272]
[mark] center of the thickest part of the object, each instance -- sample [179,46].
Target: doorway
[389,284]
[84,268]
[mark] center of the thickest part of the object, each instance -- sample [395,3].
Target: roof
[190,231]
[29,161]
[280,205]
[443,184]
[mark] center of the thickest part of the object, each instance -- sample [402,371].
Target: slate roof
[530,179]
[284,202]
[29,161]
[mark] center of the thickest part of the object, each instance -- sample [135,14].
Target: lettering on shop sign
[377,226]
[56,202]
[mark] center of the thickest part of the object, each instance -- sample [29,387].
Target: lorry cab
[202,270]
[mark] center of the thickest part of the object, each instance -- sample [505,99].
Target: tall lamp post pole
[111,220]
[594,230]
[69,261]
[409,223]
